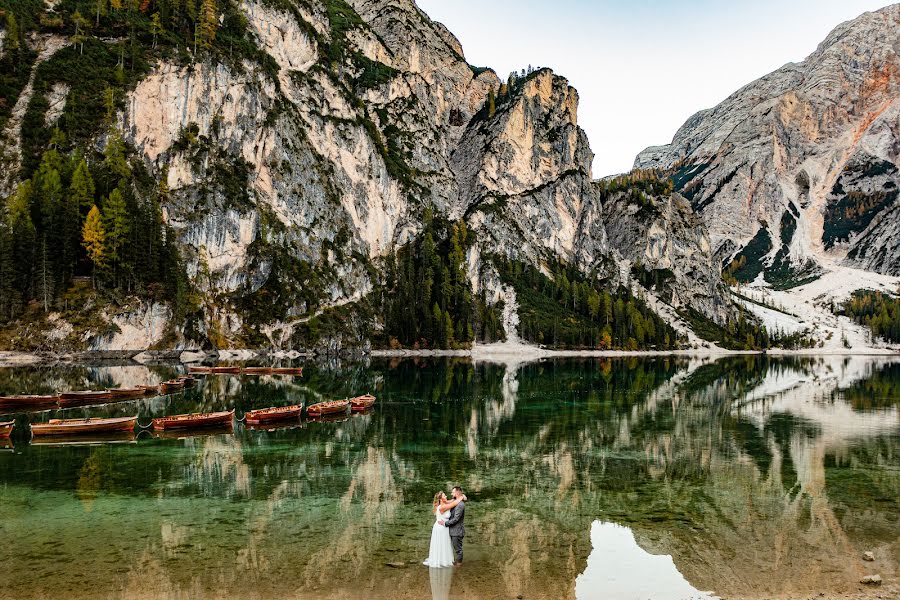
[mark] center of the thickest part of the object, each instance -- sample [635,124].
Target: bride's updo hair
[437,500]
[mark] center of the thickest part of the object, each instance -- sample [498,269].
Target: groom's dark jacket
[456,522]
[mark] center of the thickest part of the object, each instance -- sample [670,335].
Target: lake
[748,476]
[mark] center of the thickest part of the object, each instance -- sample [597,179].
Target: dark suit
[457,526]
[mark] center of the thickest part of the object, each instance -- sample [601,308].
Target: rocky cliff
[305,147]
[799,169]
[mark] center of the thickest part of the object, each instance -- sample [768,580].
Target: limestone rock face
[290,173]
[524,175]
[668,244]
[819,139]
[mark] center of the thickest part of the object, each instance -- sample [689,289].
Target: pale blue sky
[642,67]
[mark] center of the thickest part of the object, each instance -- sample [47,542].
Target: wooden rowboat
[188,380]
[199,369]
[126,393]
[257,370]
[74,426]
[173,385]
[361,403]
[27,402]
[287,370]
[334,407]
[226,370]
[6,429]
[193,420]
[278,413]
[150,390]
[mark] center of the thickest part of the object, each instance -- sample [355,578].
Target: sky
[642,67]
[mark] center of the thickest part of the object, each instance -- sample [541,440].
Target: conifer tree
[93,238]
[81,190]
[492,103]
[116,227]
[209,22]
[156,27]
[13,34]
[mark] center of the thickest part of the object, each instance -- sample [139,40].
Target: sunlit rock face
[809,153]
[318,164]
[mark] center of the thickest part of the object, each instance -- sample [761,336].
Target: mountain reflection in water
[758,476]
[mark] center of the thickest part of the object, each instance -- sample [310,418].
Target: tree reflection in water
[759,476]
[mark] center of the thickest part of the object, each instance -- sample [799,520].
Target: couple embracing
[448,531]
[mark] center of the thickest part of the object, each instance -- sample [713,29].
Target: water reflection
[619,568]
[758,476]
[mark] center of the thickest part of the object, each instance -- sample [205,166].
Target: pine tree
[23,237]
[99,9]
[94,238]
[114,156]
[13,35]
[156,27]
[116,227]
[81,190]
[492,103]
[81,24]
[209,22]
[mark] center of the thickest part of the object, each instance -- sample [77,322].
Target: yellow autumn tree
[93,237]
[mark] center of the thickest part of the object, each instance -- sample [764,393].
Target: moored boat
[257,370]
[193,420]
[150,390]
[75,426]
[171,386]
[287,370]
[6,429]
[200,370]
[28,402]
[334,407]
[361,403]
[277,413]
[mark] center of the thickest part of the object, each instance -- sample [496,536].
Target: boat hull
[328,408]
[193,421]
[6,429]
[273,415]
[362,403]
[78,426]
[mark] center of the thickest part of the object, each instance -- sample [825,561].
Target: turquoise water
[748,476]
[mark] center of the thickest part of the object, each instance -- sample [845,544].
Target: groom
[457,526]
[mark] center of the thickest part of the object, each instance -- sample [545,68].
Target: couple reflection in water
[447,534]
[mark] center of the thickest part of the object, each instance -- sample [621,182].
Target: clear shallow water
[758,477]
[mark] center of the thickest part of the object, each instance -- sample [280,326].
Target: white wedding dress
[440,554]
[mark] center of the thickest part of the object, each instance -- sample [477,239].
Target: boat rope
[241,418]
[146,427]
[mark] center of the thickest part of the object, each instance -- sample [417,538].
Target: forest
[426,296]
[96,217]
[878,311]
[571,310]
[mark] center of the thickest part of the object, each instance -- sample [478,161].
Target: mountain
[799,170]
[317,172]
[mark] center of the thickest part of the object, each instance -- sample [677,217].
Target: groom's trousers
[457,543]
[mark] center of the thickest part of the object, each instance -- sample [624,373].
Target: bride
[440,553]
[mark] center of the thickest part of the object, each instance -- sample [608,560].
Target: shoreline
[500,352]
